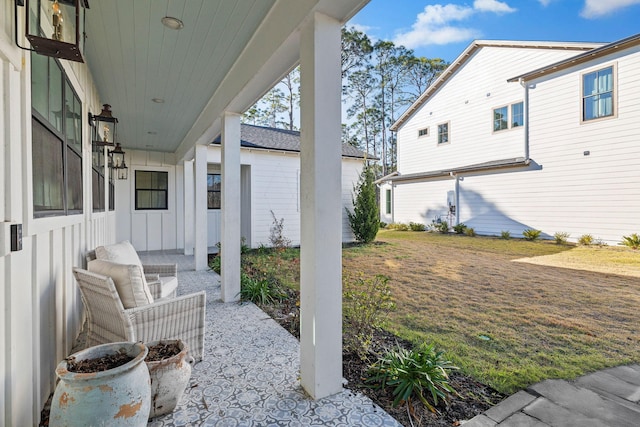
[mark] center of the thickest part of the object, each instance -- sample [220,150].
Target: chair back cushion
[121,253]
[129,281]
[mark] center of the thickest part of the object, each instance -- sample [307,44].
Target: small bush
[418,373]
[383,224]
[441,227]
[586,240]
[632,241]
[398,226]
[469,231]
[215,264]
[259,291]
[416,226]
[276,236]
[366,303]
[459,228]
[365,218]
[561,237]
[531,235]
[505,234]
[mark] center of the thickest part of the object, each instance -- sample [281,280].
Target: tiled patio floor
[249,375]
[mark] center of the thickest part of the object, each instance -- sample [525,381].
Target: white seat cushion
[129,281]
[121,253]
[169,286]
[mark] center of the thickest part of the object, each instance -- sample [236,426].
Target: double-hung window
[152,190]
[517,114]
[508,117]
[443,133]
[597,94]
[56,140]
[500,119]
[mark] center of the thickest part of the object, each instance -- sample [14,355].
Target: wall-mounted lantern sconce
[117,163]
[104,127]
[55,27]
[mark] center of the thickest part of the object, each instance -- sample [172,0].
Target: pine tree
[365,218]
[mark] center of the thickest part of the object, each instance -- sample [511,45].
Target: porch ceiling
[228,54]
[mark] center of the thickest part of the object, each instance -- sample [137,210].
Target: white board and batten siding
[564,189]
[42,307]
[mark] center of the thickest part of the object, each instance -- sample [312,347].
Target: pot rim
[136,349]
[184,349]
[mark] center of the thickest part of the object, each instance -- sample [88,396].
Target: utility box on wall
[16,237]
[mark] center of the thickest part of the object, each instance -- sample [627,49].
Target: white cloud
[494,6]
[434,24]
[545,3]
[362,28]
[598,8]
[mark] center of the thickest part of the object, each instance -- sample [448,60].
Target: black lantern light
[104,127]
[56,27]
[117,163]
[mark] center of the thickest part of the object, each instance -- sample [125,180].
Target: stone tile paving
[605,398]
[249,375]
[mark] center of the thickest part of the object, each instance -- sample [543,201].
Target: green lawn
[508,312]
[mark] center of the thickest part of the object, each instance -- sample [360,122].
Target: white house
[176,74]
[525,135]
[269,182]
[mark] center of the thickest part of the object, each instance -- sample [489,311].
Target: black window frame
[164,191]
[72,190]
[211,191]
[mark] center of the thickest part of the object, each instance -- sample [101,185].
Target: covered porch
[173,88]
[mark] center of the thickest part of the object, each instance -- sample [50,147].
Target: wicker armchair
[171,318]
[162,279]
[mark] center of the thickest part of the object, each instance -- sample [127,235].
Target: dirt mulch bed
[473,397]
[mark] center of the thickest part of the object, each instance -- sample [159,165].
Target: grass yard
[508,312]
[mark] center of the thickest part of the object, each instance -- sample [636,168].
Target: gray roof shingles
[267,138]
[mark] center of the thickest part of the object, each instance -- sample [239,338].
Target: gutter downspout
[524,84]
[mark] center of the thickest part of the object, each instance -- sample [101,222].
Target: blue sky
[444,29]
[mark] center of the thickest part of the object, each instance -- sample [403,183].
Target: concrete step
[606,381]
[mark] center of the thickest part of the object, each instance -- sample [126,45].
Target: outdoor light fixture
[55,27]
[104,127]
[173,23]
[117,163]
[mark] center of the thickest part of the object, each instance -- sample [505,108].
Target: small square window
[152,190]
[423,132]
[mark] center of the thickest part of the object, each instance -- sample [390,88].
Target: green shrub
[383,224]
[416,226]
[561,237]
[459,228]
[531,235]
[215,264]
[418,373]
[365,218]
[632,241]
[398,226]
[469,231]
[366,301]
[586,240]
[505,234]
[441,227]
[259,291]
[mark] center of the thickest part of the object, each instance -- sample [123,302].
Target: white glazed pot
[116,397]
[169,378]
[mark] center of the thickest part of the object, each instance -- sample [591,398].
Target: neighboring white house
[270,182]
[525,135]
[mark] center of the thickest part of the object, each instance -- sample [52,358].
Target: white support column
[189,205]
[200,211]
[231,218]
[321,209]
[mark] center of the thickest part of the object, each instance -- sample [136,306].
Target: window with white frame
[423,132]
[443,133]
[517,114]
[597,94]
[508,116]
[500,119]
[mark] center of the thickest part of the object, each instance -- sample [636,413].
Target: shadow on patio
[250,372]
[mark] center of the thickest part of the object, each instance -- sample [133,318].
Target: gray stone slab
[612,384]
[520,419]
[510,405]
[625,373]
[586,402]
[557,416]
[479,421]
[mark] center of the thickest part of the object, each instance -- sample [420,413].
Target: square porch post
[230,227]
[200,211]
[321,208]
[189,205]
